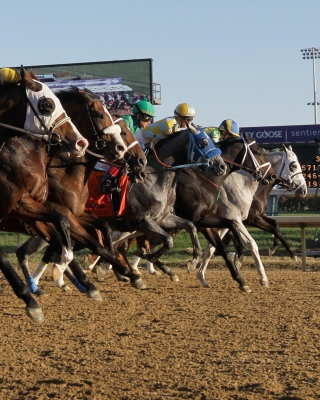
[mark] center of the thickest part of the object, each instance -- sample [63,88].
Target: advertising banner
[283,134]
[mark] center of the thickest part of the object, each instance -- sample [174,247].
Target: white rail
[302,222]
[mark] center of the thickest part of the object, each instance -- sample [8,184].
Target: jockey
[183,116]
[143,113]
[229,128]
[213,133]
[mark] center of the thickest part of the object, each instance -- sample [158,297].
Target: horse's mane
[223,144]
[72,93]
[168,139]
[271,152]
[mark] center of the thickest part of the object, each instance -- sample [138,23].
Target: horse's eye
[123,133]
[293,166]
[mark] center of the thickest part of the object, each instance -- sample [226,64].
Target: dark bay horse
[68,188]
[33,126]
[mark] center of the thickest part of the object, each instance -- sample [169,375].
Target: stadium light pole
[313,53]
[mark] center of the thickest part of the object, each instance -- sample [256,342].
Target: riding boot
[110,181]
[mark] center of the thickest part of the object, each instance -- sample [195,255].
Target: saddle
[108,204]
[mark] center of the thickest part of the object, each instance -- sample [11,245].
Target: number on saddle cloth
[201,147]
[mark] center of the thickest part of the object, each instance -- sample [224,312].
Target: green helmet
[144,107]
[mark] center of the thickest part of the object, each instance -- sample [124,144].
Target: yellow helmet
[185,110]
[9,75]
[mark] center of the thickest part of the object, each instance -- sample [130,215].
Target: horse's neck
[172,152]
[275,159]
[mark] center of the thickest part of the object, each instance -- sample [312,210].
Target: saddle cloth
[102,204]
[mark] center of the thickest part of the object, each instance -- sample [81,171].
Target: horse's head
[203,150]
[92,119]
[31,105]
[245,153]
[288,170]
[135,159]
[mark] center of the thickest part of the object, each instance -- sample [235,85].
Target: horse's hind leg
[207,254]
[20,289]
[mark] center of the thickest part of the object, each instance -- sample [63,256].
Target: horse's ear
[290,147]
[32,74]
[28,80]
[286,148]
[245,137]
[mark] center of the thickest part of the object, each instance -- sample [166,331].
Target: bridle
[50,137]
[113,129]
[257,172]
[288,180]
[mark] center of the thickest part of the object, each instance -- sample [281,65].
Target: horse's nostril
[120,149]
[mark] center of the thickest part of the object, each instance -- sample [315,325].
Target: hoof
[66,288]
[136,271]
[138,284]
[35,314]
[174,278]
[271,252]
[40,293]
[188,250]
[190,266]
[122,278]
[155,272]
[245,289]
[264,283]
[295,258]
[94,295]
[100,271]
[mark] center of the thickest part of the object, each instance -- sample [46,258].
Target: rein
[170,168]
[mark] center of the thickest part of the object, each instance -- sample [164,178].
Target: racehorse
[69,189]
[288,168]
[33,126]
[197,194]
[238,194]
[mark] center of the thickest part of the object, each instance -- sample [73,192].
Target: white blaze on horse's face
[293,173]
[116,130]
[53,119]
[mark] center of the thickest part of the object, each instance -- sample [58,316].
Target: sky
[236,59]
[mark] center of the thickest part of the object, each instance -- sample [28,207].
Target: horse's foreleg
[174,222]
[252,245]
[156,233]
[217,242]
[32,246]
[20,289]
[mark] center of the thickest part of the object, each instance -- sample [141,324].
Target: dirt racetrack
[170,341]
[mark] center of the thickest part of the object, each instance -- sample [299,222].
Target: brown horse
[68,189]
[33,126]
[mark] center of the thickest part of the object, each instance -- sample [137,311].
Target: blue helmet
[230,126]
